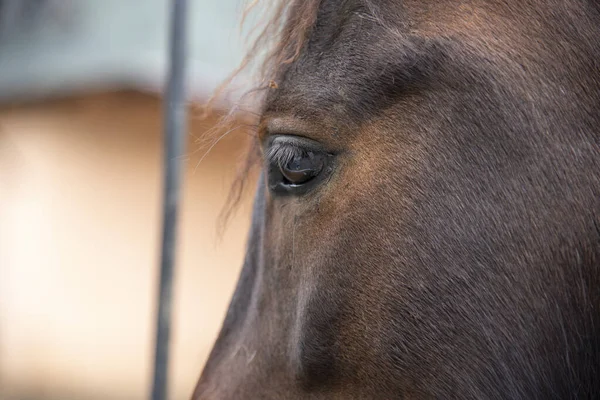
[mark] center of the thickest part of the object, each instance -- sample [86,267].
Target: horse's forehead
[351,61]
[322,72]
[361,54]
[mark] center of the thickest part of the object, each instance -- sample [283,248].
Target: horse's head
[425,225]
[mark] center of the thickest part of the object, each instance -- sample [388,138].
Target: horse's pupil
[301,168]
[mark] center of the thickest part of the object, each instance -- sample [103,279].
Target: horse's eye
[295,165]
[302,168]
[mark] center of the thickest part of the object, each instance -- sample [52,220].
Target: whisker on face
[214,144]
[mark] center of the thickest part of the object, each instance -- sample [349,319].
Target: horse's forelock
[281,35]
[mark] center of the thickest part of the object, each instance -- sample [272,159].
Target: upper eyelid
[288,145]
[272,126]
[299,141]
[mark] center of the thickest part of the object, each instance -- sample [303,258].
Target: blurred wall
[58,47]
[80,196]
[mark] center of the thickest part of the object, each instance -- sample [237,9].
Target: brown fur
[454,251]
[282,35]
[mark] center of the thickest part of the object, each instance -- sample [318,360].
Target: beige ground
[79,232]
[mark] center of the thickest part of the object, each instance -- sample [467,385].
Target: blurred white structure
[69,46]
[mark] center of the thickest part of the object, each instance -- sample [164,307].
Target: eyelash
[282,154]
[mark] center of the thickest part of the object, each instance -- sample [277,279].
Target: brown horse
[426,225]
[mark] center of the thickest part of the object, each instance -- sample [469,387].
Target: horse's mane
[282,32]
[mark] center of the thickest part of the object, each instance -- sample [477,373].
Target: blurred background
[80,196]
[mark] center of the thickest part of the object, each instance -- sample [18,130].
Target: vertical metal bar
[175,136]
